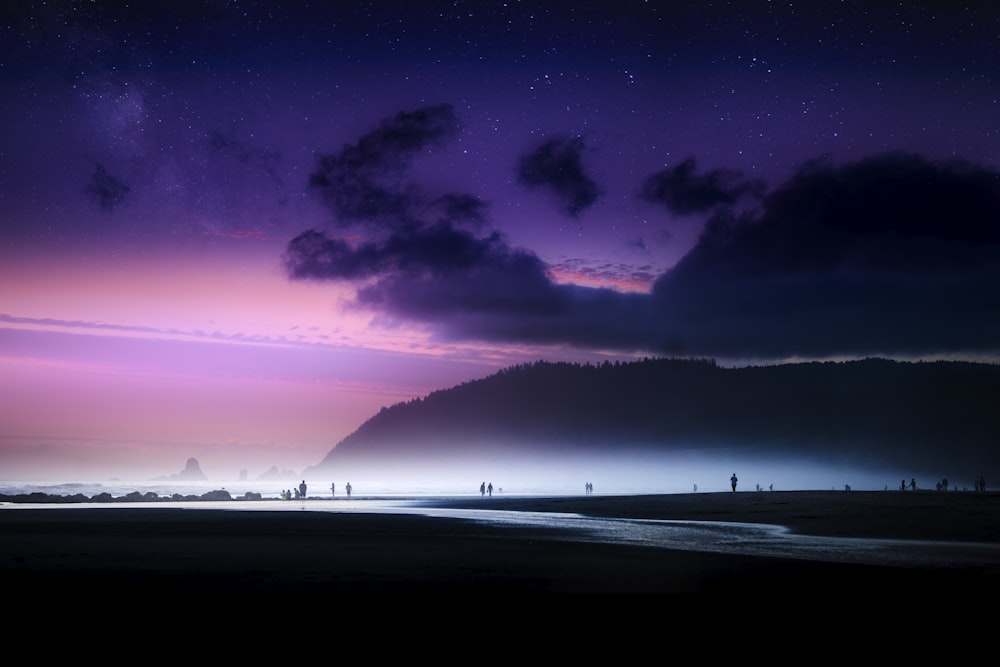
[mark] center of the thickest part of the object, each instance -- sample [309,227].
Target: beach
[165,550]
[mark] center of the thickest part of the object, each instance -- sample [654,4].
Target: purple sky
[235,230]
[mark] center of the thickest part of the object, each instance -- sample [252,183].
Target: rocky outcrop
[191,473]
[135,496]
[132,497]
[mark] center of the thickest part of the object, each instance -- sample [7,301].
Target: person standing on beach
[302,489]
[333,490]
[348,489]
[482,489]
[733,480]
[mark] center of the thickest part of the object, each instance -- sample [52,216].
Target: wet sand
[921,515]
[164,550]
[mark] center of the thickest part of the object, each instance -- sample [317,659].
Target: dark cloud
[460,208]
[418,253]
[312,255]
[363,182]
[466,286]
[892,255]
[683,191]
[558,165]
[106,190]
[427,265]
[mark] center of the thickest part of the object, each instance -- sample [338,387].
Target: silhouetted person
[302,489]
[733,480]
[482,489]
[902,485]
[333,490]
[489,489]
[913,484]
[348,489]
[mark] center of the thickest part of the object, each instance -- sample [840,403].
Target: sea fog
[515,478]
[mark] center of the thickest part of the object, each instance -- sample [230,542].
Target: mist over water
[516,476]
[647,474]
[399,487]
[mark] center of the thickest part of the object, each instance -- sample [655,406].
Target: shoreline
[959,516]
[962,516]
[171,550]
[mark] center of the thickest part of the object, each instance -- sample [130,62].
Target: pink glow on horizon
[204,355]
[188,352]
[589,277]
[189,295]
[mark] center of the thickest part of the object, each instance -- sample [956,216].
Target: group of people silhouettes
[941,485]
[484,489]
[589,488]
[300,492]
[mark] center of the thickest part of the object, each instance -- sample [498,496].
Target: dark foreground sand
[163,550]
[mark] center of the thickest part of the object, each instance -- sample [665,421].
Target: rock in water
[192,472]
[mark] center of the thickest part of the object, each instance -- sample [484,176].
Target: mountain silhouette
[938,415]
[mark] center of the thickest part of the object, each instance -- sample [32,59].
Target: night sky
[236,230]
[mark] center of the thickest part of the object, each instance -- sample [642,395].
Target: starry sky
[236,230]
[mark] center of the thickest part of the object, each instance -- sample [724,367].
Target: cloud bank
[891,255]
